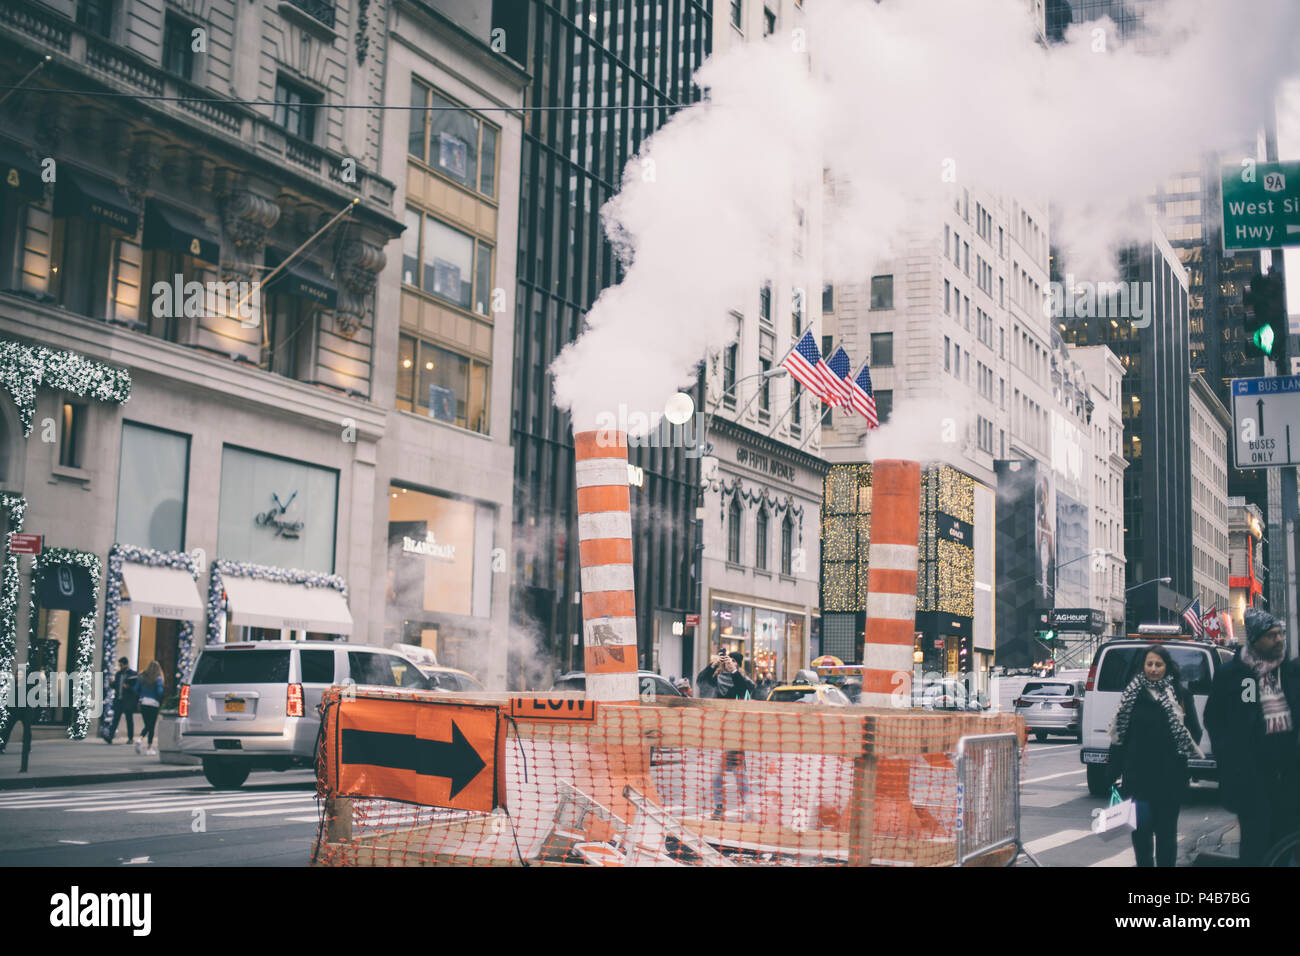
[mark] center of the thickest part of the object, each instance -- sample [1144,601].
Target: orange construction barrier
[674,782]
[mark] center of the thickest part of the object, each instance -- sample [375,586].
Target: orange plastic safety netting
[411,778]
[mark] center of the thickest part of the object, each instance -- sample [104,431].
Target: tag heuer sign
[1078,619]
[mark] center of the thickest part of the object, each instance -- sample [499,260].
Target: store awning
[255,603]
[81,194]
[19,175]
[303,279]
[166,227]
[160,592]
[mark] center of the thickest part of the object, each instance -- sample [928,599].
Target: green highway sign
[1261,206]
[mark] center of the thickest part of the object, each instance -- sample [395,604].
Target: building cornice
[188,369]
[469,44]
[770,446]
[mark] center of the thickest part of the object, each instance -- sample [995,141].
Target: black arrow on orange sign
[456,760]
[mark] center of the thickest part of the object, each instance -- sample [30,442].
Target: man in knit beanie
[1252,715]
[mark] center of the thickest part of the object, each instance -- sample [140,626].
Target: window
[947,295]
[152,488]
[733,531]
[826,415]
[96,16]
[72,435]
[760,540]
[736,12]
[828,298]
[787,544]
[765,389]
[288,336]
[769,22]
[295,108]
[317,666]
[884,404]
[453,141]
[882,292]
[447,263]
[796,414]
[729,357]
[442,384]
[947,237]
[796,314]
[947,360]
[81,264]
[765,302]
[882,349]
[178,46]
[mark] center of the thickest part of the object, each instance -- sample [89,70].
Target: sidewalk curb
[24,782]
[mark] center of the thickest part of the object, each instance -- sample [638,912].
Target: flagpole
[777,423]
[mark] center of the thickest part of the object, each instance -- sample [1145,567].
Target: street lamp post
[1056,578]
[1163,580]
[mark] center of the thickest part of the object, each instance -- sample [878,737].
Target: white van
[1118,663]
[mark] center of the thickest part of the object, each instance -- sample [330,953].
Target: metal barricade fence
[988,796]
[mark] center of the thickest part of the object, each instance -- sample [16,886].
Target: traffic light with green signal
[1265,319]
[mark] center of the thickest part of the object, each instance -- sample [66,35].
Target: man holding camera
[723,677]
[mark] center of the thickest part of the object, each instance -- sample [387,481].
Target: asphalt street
[270,821]
[1056,813]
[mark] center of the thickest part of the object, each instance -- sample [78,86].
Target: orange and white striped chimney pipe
[605,556]
[891,581]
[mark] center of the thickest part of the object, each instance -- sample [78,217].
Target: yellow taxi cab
[800,693]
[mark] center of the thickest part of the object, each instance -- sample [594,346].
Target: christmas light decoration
[14,508]
[85,625]
[25,368]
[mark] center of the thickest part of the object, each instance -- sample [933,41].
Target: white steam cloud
[886,94]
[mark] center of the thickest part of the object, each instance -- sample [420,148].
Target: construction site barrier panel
[419,778]
[988,794]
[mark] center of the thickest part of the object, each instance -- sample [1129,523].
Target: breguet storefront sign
[764,463]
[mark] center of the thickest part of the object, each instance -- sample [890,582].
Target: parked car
[1052,707]
[440,678]
[255,706]
[1116,664]
[946,694]
[809,694]
[651,684]
[449,678]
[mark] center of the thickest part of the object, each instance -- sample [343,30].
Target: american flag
[838,367]
[804,363]
[862,397]
[1192,615]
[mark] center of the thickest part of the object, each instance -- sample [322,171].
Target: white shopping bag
[1118,819]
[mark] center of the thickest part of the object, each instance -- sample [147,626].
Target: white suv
[256,705]
[1118,663]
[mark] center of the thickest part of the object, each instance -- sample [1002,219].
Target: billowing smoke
[898,101]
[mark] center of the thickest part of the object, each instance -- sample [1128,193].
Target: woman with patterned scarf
[1252,716]
[1154,732]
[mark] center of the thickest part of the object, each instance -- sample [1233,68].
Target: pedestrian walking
[1154,733]
[150,689]
[124,700]
[1252,715]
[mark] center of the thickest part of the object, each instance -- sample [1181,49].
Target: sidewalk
[56,761]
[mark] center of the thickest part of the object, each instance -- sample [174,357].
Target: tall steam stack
[891,581]
[605,556]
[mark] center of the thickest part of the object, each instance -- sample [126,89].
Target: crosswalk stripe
[223,805]
[181,800]
[264,813]
[1054,840]
[29,802]
[302,819]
